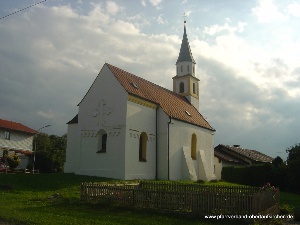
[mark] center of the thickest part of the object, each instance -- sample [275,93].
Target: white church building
[129,128]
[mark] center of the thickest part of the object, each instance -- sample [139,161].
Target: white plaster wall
[73,149]
[184,67]
[218,168]
[162,145]
[18,140]
[140,119]
[180,135]
[103,107]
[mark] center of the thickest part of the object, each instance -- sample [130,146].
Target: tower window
[143,147]
[181,87]
[194,147]
[194,88]
[188,68]
[193,69]
[181,68]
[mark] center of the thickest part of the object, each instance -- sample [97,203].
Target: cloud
[112,8]
[156,3]
[267,12]
[143,2]
[217,29]
[294,9]
[160,20]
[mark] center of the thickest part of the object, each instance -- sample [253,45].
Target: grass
[54,199]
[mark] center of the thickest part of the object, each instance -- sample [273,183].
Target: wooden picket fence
[188,198]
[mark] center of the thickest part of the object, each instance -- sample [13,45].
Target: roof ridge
[172,92]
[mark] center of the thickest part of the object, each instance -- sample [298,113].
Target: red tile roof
[16,126]
[174,105]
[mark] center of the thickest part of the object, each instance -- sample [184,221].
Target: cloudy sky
[247,55]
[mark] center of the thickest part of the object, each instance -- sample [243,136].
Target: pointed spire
[185,53]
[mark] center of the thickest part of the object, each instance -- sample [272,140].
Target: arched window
[194,147]
[102,141]
[143,147]
[181,68]
[181,87]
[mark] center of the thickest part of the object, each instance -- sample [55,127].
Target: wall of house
[17,141]
[141,117]
[102,109]
[181,136]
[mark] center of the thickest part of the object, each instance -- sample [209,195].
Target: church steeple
[185,53]
[185,82]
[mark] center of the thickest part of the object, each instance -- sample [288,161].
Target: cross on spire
[184,16]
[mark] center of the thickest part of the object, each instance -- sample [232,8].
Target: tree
[277,161]
[12,160]
[293,162]
[50,152]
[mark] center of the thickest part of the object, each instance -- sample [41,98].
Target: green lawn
[54,199]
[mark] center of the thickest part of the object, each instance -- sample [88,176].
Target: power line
[22,9]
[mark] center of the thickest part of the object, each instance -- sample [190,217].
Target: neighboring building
[16,138]
[226,155]
[130,128]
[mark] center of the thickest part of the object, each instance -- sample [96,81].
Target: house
[130,128]
[226,155]
[16,138]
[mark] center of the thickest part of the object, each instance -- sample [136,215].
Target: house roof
[16,126]
[232,151]
[226,157]
[173,104]
[185,53]
[74,120]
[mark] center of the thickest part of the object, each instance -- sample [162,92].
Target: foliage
[12,160]
[278,161]
[50,152]
[293,162]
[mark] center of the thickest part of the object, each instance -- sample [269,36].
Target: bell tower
[185,82]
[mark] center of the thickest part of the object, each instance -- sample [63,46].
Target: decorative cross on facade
[101,111]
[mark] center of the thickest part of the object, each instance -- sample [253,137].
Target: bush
[257,175]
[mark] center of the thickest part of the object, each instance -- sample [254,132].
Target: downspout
[156,143]
[169,147]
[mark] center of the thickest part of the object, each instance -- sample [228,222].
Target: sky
[246,53]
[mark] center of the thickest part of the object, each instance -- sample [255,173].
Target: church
[130,128]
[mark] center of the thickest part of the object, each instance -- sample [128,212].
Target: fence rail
[181,197]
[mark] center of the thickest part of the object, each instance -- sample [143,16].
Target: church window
[188,68]
[193,69]
[181,87]
[194,147]
[194,88]
[102,141]
[143,147]
[181,68]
